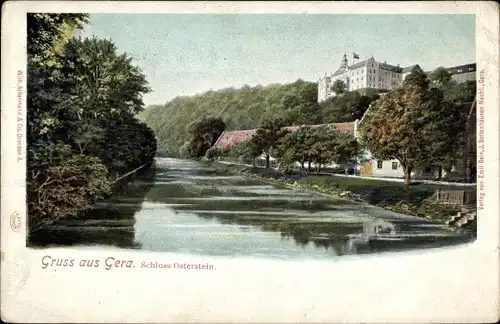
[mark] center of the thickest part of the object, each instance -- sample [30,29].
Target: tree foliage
[319,145]
[268,137]
[81,126]
[457,93]
[339,87]
[248,107]
[203,134]
[47,33]
[244,108]
[413,124]
[347,107]
[439,76]
[453,91]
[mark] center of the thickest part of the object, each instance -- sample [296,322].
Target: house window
[379,164]
[394,165]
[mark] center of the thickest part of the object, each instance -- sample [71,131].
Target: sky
[187,54]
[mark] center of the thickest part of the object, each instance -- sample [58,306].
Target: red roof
[230,138]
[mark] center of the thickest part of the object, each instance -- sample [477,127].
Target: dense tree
[320,145]
[295,146]
[304,114]
[47,33]
[82,132]
[244,108]
[348,107]
[454,92]
[439,76]
[333,146]
[339,87]
[203,134]
[413,124]
[64,188]
[457,93]
[268,136]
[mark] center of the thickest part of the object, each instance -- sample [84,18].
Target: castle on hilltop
[366,74]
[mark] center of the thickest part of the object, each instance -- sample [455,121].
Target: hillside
[239,108]
[247,107]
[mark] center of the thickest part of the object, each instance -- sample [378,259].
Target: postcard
[250,162]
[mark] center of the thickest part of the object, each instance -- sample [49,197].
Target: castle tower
[343,64]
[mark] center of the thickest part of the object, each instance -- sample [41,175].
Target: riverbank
[416,200]
[119,188]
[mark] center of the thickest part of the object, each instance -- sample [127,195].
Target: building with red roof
[230,138]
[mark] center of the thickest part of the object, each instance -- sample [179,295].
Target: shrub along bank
[415,200]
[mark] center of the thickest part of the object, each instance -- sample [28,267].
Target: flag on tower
[355,56]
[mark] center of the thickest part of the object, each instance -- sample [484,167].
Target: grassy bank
[416,199]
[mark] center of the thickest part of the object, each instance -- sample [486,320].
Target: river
[185,206]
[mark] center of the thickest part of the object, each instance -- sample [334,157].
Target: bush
[213,153]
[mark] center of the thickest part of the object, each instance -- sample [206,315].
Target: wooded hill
[247,107]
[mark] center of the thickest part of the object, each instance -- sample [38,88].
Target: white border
[448,285]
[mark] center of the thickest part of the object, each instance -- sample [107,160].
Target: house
[231,138]
[463,73]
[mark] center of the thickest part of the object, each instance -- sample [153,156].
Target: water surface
[187,207]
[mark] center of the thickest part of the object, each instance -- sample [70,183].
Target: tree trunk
[309,167]
[440,173]
[267,161]
[407,175]
[81,148]
[468,158]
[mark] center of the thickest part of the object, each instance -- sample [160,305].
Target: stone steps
[462,217]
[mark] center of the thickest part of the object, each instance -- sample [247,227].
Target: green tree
[81,94]
[330,145]
[457,93]
[203,134]
[339,87]
[439,77]
[104,84]
[304,114]
[64,188]
[413,124]
[47,33]
[318,145]
[348,107]
[245,108]
[268,137]
[297,145]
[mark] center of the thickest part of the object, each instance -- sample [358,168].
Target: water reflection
[188,208]
[106,223]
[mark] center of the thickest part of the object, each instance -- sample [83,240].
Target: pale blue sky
[185,54]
